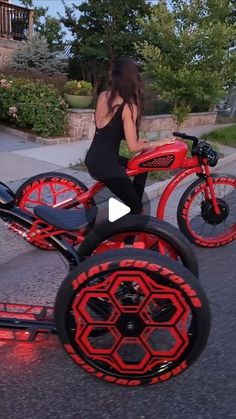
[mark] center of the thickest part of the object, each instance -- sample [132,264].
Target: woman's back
[102,114]
[109,132]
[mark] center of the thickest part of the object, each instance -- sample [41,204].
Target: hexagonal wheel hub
[130,325]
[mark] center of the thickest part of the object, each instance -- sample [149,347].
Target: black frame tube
[42,325]
[15,214]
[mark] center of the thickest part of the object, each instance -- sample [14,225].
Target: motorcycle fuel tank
[166,157]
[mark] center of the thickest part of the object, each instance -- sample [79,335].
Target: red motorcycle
[206,211]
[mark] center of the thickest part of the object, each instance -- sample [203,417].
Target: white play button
[116,209]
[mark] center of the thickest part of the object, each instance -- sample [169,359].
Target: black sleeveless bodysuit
[103,154]
[105,164]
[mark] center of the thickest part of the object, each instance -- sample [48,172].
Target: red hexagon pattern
[97,309]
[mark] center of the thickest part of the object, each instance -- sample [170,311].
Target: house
[16,25]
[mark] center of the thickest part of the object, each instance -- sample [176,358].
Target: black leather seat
[64,219]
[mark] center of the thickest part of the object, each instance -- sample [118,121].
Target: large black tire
[162,230]
[214,231]
[51,182]
[153,313]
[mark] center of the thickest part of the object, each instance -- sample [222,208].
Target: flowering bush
[80,88]
[33,105]
[5,84]
[57,80]
[13,112]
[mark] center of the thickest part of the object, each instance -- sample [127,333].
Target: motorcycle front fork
[209,192]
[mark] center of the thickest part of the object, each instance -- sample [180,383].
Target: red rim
[138,240]
[143,329]
[209,241]
[131,317]
[51,192]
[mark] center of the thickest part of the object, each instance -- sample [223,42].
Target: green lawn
[226,136]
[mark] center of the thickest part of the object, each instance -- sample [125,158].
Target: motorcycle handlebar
[186,137]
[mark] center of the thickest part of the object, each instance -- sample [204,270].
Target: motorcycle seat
[65,219]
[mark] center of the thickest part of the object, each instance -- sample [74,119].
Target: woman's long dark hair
[125,80]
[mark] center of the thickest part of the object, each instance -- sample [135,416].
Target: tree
[52,31]
[104,30]
[47,26]
[186,52]
[34,55]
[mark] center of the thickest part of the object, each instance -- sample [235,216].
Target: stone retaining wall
[81,124]
[7,49]
[81,127]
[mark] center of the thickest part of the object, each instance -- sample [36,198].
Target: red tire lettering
[109,378]
[176,279]
[189,291]
[184,365]
[81,278]
[153,267]
[69,348]
[99,374]
[165,377]
[77,359]
[93,271]
[126,263]
[177,371]
[155,380]
[134,383]
[104,266]
[121,381]
[196,302]
[89,368]
[75,284]
[140,264]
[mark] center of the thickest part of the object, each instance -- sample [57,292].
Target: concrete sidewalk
[21,159]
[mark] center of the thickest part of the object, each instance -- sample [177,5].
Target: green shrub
[58,80]
[180,113]
[124,151]
[32,105]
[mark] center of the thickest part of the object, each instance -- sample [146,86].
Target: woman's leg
[121,186]
[139,181]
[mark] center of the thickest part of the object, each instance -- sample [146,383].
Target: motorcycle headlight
[212,158]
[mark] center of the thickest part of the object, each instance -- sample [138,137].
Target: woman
[117,117]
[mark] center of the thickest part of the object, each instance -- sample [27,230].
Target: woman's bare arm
[99,112]
[129,122]
[135,144]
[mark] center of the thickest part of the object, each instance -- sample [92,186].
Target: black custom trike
[131,310]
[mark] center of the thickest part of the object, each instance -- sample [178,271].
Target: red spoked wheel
[140,232]
[131,317]
[50,189]
[139,240]
[196,215]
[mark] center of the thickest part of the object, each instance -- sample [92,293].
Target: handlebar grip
[185,136]
[178,134]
